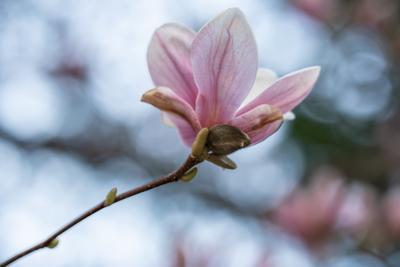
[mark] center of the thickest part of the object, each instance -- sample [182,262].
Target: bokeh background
[320,192]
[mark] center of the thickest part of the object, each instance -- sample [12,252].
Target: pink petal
[259,123]
[169,60]
[177,111]
[186,131]
[265,132]
[256,122]
[224,60]
[287,92]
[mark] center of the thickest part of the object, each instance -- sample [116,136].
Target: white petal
[265,78]
[166,120]
[289,116]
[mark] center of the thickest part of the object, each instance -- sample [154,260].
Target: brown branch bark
[172,177]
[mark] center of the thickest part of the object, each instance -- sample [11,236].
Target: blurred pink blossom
[391,211]
[211,77]
[311,213]
[374,13]
[324,10]
[359,210]
[370,13]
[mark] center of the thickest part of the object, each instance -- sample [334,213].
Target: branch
[172,177]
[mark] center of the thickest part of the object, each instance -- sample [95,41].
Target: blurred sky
[71,77]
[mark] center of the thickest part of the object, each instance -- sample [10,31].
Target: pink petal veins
[287,92]
[259,123]
[224,60]
[169,60]
[256,118]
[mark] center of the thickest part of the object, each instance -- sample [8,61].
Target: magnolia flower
[310,213]
[359,210]
[212,78]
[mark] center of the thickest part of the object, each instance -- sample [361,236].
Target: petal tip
[314,70]
[229,14]
[146,96]
[235,10]
[232,10]
[311,74]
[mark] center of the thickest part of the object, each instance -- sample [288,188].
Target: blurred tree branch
[111,198]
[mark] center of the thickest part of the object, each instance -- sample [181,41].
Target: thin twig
[172,177]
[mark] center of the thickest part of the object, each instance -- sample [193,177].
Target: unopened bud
[222,161]
[200,143]
[53,243]
[225,139]
[110,198]
[188,176]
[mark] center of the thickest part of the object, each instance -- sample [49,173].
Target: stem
[172,177]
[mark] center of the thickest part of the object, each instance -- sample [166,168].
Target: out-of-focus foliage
[357,131]
[323,191]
